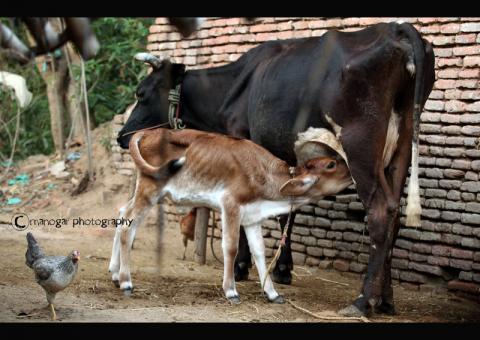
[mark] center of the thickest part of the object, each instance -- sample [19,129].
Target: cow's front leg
[282,271]
[243,261]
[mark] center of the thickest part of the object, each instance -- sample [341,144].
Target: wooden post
[201,227]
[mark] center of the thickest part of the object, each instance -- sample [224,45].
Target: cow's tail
[416,68]
[157,172]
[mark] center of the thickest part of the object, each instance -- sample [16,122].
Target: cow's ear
[178,71]
[299,185]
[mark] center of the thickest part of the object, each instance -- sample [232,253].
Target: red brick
[300,25]
[448,73]
[452,94]
[317,24]
[369,21]
[230,48]
[441,250]
[471,61]
[264,28]
[443,40]
[475,107]
[455,106]
[439,261]
[350,21]
[462,254]
[475,73]
[450,28]
[284,26]
[430,29]
[336,23]
[465,38]
[470,27]
[427,20]
[467,83]
[285,35]
[444,84]
[449,62]
[232,22]
[443,52]
[260,37]
[317,33]
[220,22]
[470,95]
[464,286]
[302,34]
[466,50]
[341,265]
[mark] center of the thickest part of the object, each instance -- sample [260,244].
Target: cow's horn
[154,61]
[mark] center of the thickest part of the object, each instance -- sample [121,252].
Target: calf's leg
[243,261]
[230,237]
[255,241]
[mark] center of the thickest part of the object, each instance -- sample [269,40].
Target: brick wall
[446,248]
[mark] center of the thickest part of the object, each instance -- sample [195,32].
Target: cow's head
[152,104]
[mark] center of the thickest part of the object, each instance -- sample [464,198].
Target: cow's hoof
[116,283]
[235,300]
[385,308]
[351,311]
[279,299]
[282,275]
[241,271]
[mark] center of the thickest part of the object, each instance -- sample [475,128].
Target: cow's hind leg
[243,261]
[230,238]
[255,241]
[282,271]
[381,205]
[396,175]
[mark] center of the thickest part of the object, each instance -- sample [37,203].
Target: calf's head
[318,177]
[152,104]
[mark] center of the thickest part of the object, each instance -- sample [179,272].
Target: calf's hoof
[241,271]
[234,300]
[116,283]
[127,288]
[281,274]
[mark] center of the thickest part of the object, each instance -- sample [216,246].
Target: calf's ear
[299,185]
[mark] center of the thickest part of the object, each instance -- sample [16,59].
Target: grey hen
[53,273]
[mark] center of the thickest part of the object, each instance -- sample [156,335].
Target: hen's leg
[52,309]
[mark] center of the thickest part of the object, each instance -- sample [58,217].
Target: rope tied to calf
[283,239]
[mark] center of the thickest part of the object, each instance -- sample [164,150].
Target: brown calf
[237,177]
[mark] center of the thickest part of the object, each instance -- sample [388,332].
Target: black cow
[356,84]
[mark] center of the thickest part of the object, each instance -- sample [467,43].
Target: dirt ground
[172,290]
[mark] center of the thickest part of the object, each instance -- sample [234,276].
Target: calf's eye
[331,165]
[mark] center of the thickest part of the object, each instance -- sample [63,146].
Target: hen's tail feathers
[33,251]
